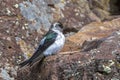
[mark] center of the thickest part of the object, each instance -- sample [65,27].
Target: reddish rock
[95,30]
[19,36]
[100,63]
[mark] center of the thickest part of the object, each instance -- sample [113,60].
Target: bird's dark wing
[47,40]
[50,39]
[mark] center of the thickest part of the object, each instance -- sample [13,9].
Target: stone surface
[95,30]
[24,22]
[91,32]
[100,63]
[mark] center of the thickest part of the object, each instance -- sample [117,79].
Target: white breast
[57,45]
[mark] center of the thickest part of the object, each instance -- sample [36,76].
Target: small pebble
[8,11]
[16,5]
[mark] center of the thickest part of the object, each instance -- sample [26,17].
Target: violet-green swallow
[50,44]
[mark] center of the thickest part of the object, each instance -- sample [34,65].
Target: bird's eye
[60,25]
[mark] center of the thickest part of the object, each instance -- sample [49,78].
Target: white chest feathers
[57,45]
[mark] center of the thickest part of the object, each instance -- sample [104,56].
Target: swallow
[51,43]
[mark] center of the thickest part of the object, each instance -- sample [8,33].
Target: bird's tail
[39,59]
[24,63]
[32,60]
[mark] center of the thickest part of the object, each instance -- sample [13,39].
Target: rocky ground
[92,30]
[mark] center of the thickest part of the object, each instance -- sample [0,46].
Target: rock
[84,56]
[95,30]
[99,63]
[102,14]
[61,11]
[4,74]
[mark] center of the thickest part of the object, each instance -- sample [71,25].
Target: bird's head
[57,26]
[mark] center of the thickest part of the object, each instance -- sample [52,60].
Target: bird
[51,43]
